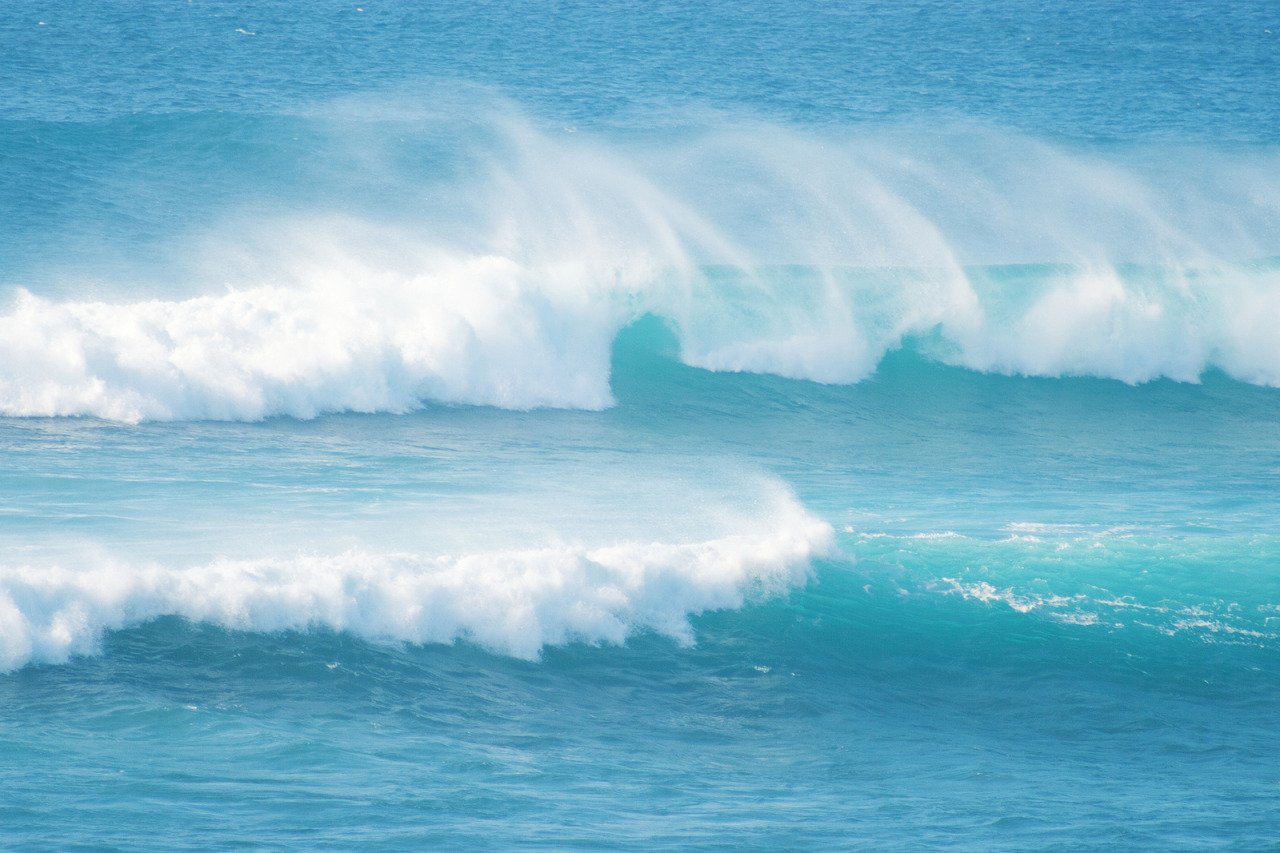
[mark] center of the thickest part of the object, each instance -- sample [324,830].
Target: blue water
[673,426]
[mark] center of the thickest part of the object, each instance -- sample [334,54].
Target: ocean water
[660,426]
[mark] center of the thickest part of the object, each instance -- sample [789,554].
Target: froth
[468,332]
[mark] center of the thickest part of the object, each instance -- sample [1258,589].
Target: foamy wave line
[1223,622]
[510,602]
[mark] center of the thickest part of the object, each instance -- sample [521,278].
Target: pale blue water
[680,426]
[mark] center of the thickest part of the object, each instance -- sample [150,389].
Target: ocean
[563,425]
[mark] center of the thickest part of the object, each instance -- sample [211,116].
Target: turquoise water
[552,425]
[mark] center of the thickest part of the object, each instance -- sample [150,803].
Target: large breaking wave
[804,253]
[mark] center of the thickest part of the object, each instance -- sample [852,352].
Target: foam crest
[511,602]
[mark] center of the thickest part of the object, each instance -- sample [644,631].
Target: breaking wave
[803,253]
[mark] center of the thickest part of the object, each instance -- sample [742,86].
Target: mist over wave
[485,259]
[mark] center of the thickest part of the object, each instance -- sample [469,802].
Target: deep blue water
[671,426]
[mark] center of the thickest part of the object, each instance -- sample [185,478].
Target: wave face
[803,254]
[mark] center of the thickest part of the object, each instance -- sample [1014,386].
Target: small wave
[510,602]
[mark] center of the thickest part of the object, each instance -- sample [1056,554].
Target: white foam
[511,602]
[462,333]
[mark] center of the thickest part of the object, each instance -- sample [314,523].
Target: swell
[505,257]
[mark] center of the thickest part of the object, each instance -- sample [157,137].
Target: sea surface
[579,425]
